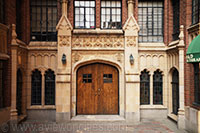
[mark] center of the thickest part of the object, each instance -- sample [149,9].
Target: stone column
[181,110]
[132,86]
[64,6]
[63,77]
[14,47]
[130,7]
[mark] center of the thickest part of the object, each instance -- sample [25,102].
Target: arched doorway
[19,91]
[97,89]
[175,91]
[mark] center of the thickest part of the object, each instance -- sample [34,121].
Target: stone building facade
[81,60]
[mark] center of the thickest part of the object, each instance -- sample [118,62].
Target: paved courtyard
[145,126]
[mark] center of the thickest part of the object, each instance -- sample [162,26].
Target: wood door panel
[101,95]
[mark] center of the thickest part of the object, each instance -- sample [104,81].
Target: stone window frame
[152,36]
[43,88]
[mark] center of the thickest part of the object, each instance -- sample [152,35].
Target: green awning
[193,52]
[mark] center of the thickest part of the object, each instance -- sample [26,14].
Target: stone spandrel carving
[64,40]
[97,42]
[131,41]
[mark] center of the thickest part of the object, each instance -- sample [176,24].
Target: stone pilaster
[13,111]
[63,78]
[181,110]
[131,29]
[130,7]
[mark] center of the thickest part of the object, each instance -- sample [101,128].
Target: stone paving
[145,126]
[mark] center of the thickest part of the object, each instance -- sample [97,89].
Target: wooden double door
[97,90]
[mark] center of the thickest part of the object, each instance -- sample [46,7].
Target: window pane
[43,20]
[36,83]
[144,88]
[85,14]
[150,18]
[157,88]
[111,15]
[49,88]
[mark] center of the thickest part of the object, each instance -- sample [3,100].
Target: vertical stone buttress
[63,78]
[132,79]
[14,47]
[181,110]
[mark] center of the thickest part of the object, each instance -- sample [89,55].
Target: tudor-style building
[84,59]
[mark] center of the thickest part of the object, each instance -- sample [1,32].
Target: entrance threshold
[98,118]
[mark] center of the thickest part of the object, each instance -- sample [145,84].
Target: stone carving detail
[98,42]
[75,57]
[64,41]
[119,57]
[131,41]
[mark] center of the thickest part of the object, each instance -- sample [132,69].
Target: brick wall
[10,11]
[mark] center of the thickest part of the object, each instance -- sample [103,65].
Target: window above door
[84,14]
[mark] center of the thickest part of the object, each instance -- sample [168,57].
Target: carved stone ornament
[98,42]
[75,57]
[64,41]
[119,57]
[131,41]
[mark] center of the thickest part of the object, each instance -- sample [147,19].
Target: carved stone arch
[85,62]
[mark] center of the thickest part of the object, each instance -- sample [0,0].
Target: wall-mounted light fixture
[64,59]
[131,59]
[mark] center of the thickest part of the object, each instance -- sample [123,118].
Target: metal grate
[111,14]
[49,87]
[150,20]
[195,11]
[36,84]
[19,92]
[43,20]
[144,88]
[2,13]
[84,14]
[196,84]
[157,88]
[176,13]
[175,91]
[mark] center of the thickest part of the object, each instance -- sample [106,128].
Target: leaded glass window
[36,86]
[195,11]
[2,13]
[175,91]
[176,25]
[43,20]
[1,84]
[157,88]
[150,20]
[19,92]
[144,88]
[49,87]
[196,83]
[111,14]
[84,14]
